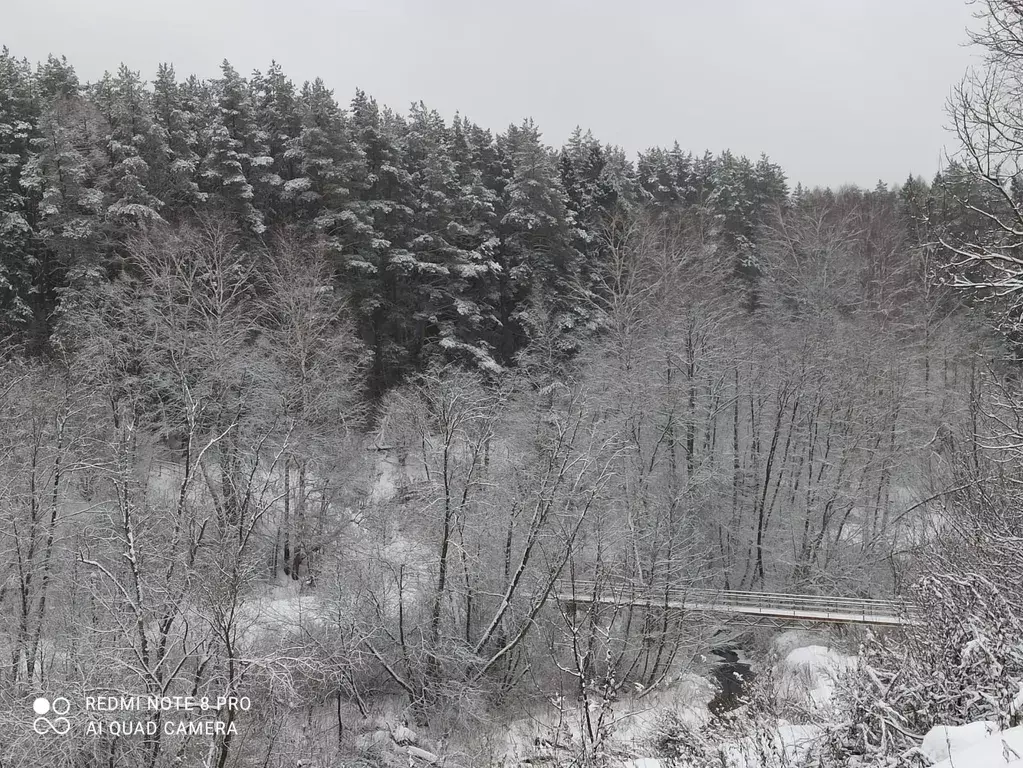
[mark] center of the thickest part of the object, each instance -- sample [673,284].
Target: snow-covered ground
[278,617]
[806,678]
[976,745]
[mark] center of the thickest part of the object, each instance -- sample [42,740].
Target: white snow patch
[786,642]
[807,677]
[688,697]
[942,740]
[797,740]
[385,486]
[974,746]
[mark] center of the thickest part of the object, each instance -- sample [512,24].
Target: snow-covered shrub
[750,735]
[675,738]
[964,664]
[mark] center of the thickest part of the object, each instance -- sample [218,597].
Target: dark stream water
[734,678]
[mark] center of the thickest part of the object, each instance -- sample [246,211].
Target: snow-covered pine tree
[133,137]
[433,273]
[174,171]
[327,164]
[376,234]
[597,183]
[538,251]
[770,186]
[619,174]
[657,178]
[65,177]
[916,206]
[277,114]
[474,230]
[600,193]
[734,205]
[672,179]
[18,121]
[236,154]
[449,266]
[580,185]
[701,174]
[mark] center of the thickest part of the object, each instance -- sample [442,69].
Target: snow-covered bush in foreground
[750,736]
[676,738]
[964,665]
[742,740]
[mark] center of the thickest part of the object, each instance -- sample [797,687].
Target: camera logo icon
[59,725]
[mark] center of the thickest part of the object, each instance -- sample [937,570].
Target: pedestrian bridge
[745,607]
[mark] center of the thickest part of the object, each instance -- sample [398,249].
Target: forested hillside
[323,405]
[449,241]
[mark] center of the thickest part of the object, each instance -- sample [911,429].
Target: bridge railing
[696,599]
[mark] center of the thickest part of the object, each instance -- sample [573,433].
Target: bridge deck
[751,605]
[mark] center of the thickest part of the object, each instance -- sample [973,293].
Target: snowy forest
[338,435]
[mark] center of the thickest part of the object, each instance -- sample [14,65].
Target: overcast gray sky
[834,90]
